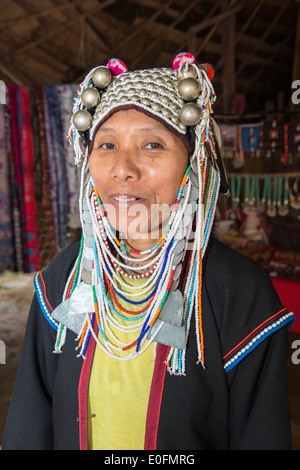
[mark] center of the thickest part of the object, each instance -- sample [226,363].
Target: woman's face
[137,165]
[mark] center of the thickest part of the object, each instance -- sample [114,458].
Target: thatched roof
[58,41]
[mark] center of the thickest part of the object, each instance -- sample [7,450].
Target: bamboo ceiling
[58,41]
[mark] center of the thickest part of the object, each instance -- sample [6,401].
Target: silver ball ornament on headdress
[102,77]
[189,89]
[187,71]
[190,114]
[90,97]
[82,120]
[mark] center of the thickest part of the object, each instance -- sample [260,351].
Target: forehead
[135,122]
[132,118]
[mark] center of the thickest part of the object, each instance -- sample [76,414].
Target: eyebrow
[143,129]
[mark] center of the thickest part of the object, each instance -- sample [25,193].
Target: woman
[180,339]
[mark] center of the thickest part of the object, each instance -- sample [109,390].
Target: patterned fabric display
[249,139]
[6,254]
[272,135]
[291,140]
[66,96]
[229,139]
[59,156]
[46,222]
[38,190]
[30,208]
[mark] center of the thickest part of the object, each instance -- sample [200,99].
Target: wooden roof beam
[296,63]
[212,31]
[59,30]
[211,21]
[134,33]
[171,26]
[228,53]
[157,5]
[191,37]
[146,23]
[36,16]
[249,21]
[264,36]
[91,28]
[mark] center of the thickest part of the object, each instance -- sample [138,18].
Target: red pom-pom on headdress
[116,66]
[210,71]
[183,58]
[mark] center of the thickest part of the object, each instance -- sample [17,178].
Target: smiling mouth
[125,199]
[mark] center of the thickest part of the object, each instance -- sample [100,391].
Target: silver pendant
[172,311]
[71,313]
[170,322]
[168,335]
[72,322]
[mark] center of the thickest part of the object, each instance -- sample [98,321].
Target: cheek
[97,173]
[167,185]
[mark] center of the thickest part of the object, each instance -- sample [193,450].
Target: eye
[107,146]
[153,146]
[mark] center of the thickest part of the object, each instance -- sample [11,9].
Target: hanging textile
[51,165]
[46,222]
[60,162]
[30,207]
[6,243]
[16,182]
[66,97]
[291,140]
[37,171]
[229,139]
[249,139]
[272,136]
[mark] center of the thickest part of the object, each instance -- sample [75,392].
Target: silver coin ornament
[189,89]
[82,120]
[190,114]
[90,97]
[102,77]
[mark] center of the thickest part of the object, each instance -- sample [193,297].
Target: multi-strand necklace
[162,267]
[130,294]
[110,272]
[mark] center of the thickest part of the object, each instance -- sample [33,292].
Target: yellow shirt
[119,392]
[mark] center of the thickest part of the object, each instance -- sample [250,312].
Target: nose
[125,165]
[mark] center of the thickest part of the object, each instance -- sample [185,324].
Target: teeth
[125,199]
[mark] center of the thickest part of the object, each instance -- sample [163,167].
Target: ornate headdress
[170,276]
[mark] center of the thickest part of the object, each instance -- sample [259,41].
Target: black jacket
[238,401]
